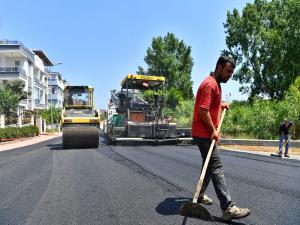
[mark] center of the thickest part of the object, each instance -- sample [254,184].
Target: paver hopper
[132,117]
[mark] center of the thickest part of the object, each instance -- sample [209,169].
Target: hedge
[18,132]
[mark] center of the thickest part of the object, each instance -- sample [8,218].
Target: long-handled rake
[194,209]
[280,150]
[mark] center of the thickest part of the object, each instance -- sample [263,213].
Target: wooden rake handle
[285,143]
[203,172]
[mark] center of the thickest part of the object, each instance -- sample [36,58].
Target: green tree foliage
[46,114]
[265,40]
[261,118]
[8,101]
[171,58]
[291,104]
[17,87]
[173,97]
[183,114]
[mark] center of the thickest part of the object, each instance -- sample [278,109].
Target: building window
[17,63]
[36,93]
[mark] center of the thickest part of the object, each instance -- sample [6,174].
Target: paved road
[43,184]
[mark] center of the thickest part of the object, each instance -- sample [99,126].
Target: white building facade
[56,90]
[19,63]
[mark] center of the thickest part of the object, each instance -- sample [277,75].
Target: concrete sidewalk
[4,146]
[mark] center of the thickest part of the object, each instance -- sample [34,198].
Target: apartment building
[31,66]
[56,90]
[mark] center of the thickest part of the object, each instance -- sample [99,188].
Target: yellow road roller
[80,121]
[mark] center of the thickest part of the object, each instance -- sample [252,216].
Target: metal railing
[9,42]
[22,47]
[12,69]
[39,83]
[11,119]
[38,103]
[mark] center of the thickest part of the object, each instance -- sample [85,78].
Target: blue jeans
[214,172]
[282,138]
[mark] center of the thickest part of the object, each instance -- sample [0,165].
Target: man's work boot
[204,199]
[233,212]
[287,155]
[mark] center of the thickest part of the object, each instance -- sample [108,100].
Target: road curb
[256,142]
[4,146]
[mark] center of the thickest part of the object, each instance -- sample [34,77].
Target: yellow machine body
[80,121]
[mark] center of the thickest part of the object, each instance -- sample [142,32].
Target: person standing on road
[207,113]
[284,135]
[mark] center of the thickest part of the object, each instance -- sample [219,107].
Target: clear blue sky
[100,42]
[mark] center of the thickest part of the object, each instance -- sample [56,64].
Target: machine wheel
[80,137]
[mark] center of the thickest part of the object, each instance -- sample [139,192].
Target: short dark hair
[223,59]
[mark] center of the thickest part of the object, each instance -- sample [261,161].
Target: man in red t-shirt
[207,112]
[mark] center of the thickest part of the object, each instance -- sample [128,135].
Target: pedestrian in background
[284,137]
[207,113]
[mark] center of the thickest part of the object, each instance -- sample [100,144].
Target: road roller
[80,121]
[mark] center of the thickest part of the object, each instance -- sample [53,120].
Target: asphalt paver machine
[134,118]
[80,121]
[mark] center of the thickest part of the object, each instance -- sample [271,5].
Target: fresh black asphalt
[44,184]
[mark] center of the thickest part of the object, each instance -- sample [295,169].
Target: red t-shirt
[208,97]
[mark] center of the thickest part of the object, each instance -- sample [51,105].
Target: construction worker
[207,113]
[284,135]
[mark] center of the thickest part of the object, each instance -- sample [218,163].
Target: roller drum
[80,137]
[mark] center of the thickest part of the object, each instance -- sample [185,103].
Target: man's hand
[225,105]
[215,135]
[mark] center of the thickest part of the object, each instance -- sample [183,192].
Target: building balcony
[10,45]
[39,84]
[55,82]
[55,103]
[14,72]
[39,104]
[55,97]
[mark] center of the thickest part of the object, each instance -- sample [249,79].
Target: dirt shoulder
[292,150]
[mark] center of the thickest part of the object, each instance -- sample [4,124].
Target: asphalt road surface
[44,184]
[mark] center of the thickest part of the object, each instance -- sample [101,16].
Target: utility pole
[51,113]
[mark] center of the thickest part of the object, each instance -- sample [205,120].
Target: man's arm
[206,119]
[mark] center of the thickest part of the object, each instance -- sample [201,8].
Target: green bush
[183,113]
[236,121]
[17,132]
[259,118]
[46,114]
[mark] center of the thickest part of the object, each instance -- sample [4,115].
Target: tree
[46,114]
[171,58]
[291,105]
[17,87]
[8,101]
[265,40]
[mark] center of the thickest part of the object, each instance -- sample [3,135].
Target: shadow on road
[171,206]
[218,220]
[55,147]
